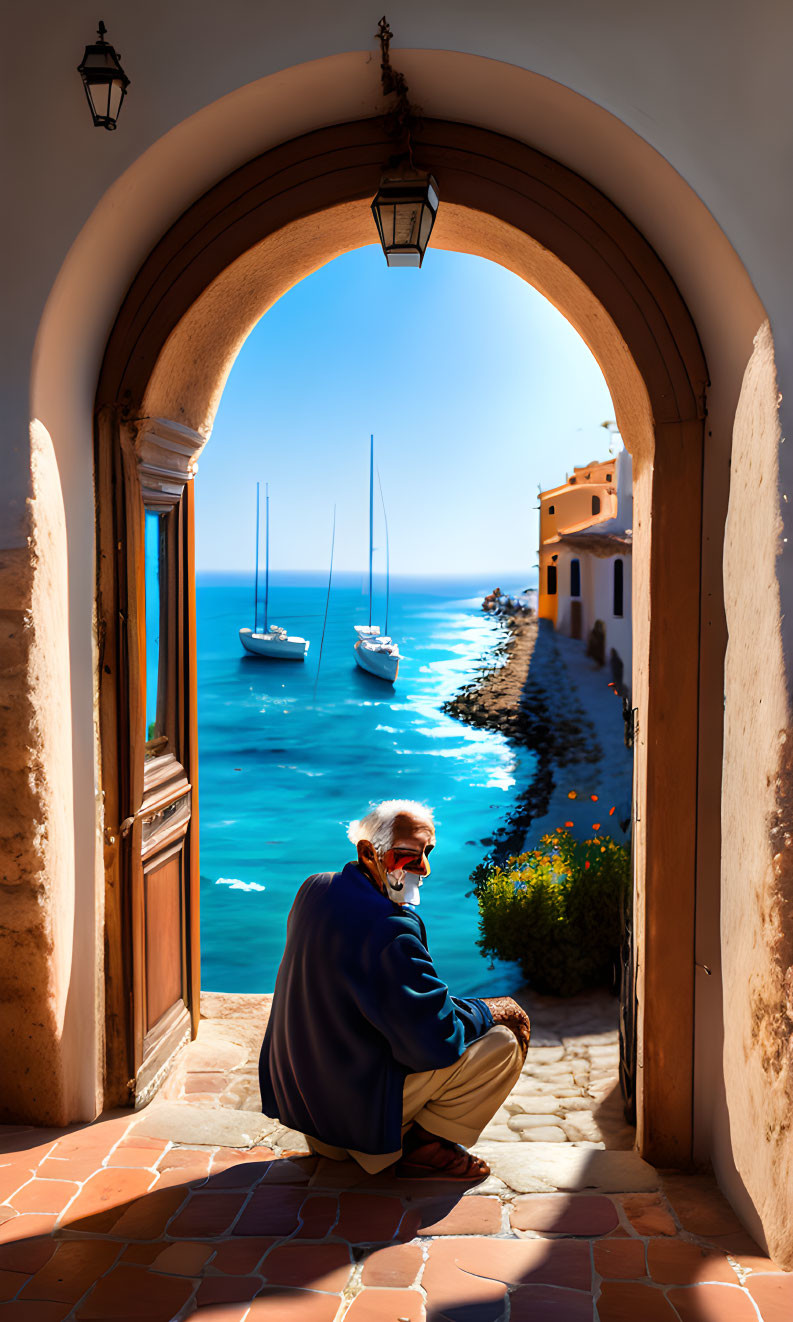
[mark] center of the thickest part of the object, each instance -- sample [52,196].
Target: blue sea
[288,756]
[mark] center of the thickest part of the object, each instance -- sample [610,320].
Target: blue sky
[476,390]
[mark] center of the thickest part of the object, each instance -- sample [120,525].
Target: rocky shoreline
[523,691]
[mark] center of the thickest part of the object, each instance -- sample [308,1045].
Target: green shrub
[556,911]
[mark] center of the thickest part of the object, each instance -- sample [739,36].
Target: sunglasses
[407,860]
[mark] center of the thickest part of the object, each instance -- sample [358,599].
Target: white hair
[378,824]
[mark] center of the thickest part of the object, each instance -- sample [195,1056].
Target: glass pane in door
[155,580]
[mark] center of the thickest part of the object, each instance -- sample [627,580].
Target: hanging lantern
[104,81]
[404,210]
[407,200]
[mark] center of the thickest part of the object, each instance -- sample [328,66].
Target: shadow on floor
[304,1239]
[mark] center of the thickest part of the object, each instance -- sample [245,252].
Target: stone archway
[281,216]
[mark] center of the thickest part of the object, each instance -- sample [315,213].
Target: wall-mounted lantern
[104,81]
[406,202]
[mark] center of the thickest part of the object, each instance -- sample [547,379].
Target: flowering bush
[557,911]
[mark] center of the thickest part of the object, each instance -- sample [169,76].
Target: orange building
[586,544]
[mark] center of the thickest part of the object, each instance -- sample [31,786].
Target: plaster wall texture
[757,819]
[563,598]
[597,602]
[562,604]
[573,508]
[548,602]
[38,912]
[595,471]
[616,513]
[623,519]
[618,628]
[640,100]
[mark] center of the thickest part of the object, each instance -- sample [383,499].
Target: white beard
[403,888]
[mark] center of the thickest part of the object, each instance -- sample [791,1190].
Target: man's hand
[507,1012]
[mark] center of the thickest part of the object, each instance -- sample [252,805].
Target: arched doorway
[189,309]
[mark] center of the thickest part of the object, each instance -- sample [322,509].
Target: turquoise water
[283,770]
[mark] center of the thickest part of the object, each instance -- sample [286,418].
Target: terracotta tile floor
[100,1224]
[181,1209]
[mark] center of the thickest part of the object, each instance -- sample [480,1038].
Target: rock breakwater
[524,692]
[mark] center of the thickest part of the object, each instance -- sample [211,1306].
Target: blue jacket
[357,1006]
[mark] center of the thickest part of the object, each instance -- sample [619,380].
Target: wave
[235,884]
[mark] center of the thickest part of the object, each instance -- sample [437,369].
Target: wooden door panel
[148,706]
[163,960]
[162,904]
[164,985]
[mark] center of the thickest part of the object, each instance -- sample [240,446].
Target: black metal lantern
[407,200]
[404,210]
[104,81]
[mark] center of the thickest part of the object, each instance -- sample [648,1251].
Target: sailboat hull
[270,646]
[384,665]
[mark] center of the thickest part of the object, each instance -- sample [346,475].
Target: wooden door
[149,750]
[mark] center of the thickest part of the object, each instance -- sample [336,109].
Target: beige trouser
[455,1103]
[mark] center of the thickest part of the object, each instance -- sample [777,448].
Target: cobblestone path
[201,1206]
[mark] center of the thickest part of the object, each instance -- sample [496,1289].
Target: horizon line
[323,570]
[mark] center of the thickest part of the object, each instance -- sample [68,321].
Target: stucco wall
[573,508]
[757,817]
[597,601]
[548,603]
[618,629]
[619,634]
[38,973]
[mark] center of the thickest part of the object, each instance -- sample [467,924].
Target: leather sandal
[440,1160]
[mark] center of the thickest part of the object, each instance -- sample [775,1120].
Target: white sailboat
[273,643]
[376,652]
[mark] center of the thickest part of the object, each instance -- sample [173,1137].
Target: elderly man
[366,1052]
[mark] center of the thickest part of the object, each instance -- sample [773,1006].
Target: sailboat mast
[371,520]
[387,554]
[266,553]
[256,577]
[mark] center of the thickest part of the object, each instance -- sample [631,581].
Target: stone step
[610,1038]
[565,1167]
[546,1134]
[182,1122]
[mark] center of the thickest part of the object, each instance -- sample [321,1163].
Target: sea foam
[235,884]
